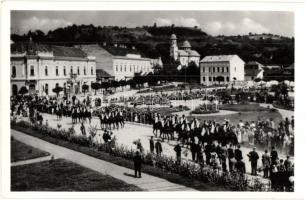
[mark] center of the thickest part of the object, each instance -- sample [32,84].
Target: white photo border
[298,7]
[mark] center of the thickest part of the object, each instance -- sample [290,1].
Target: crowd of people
[217,144]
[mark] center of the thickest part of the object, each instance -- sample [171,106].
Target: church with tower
[184,55]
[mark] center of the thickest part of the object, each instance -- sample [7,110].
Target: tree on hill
[155,42]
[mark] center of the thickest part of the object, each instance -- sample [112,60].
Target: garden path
[30,161]
[147,182]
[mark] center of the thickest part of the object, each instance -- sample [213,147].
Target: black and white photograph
[152,100]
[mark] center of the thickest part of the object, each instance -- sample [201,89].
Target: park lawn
[63,175]
[21,151]
[244,116]
[243,107]
[172,177]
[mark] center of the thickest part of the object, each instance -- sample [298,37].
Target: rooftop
[103,57]
[173,37]
[186,44]
[31,48]
[218,58]
[102,74]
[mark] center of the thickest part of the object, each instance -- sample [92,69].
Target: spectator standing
[266,163]
[274,156]
[231,157]
[158,148]
[137,164]
[178,151]
[238,154]
[151,145]
[193,149]
[288,163]
[83,131]
[253,156]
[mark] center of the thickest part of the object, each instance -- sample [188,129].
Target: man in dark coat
[207,151]
[151,145]
[240,166]
[274,156]
[193,149]
[266,164]
[158,148]
[178,151]
[137,164]
[253,156]
[231,157]
[238,154]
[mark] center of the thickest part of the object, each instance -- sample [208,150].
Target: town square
[165,106]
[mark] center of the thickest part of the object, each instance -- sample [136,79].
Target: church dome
[186,44]
[173,37]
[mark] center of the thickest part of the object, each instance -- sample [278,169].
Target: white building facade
[125,67]
[221,69]
[184,55]
[40,69]
[120,63]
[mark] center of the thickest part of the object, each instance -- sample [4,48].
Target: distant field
[62,175]
[21,151]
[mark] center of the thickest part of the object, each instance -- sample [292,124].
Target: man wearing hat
[253,156]
[137,164]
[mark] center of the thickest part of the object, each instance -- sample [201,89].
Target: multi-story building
[253,70]
[40,68]
[184,55]
[221,69]
[120,62]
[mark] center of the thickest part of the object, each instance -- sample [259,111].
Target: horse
[157,126]
[167,130]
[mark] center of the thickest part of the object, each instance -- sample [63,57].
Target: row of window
[215,79]
[217,69]
[133,68]
[32,71]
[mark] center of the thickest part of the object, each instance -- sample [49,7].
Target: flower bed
[205,109]
[283,107]
[157,166]
[243,107]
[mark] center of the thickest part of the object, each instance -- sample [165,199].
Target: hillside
[153,41]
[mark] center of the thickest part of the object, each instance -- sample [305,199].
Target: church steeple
[173,47]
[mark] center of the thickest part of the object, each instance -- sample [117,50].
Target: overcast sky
[212,22]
